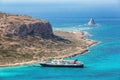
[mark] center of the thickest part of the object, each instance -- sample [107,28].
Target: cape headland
[26,40]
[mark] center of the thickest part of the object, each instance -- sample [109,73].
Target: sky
[62,1]
[101,8]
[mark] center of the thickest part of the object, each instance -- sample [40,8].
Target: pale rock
[91,22]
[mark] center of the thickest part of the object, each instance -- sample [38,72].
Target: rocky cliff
[17,25]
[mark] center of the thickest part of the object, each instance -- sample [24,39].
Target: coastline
[36,62]
[79,51]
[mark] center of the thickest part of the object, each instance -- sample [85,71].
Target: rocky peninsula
[26,40]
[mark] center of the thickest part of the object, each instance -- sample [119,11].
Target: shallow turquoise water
[101,63]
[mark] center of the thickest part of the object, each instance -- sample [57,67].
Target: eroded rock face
[38,29]
[15,25]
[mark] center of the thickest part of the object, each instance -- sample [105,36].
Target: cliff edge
[18,25]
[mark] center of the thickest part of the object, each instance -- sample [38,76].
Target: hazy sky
[63,1]
[101,8]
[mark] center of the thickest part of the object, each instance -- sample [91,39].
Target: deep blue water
[101,63]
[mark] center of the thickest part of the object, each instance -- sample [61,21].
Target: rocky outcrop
[17,25]
[42,29]
[91,22]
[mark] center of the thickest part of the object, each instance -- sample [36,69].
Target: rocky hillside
[16,25]
[23,39]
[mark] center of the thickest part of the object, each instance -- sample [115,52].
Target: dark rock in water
[91,22]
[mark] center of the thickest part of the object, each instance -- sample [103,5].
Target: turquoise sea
[101,63]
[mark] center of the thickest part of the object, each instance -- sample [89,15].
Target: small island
[26,40]
[91,22]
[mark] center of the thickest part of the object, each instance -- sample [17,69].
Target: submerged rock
[91,22]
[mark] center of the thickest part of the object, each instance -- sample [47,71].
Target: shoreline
[79,52]
[36,61]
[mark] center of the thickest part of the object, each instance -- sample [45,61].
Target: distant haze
[63,8]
